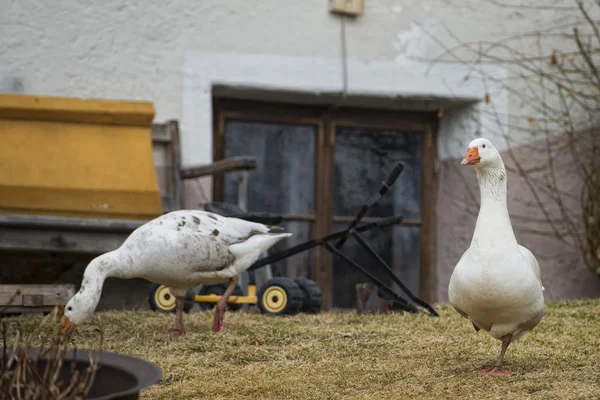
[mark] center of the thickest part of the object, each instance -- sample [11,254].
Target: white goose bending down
[496,284]
[181,249]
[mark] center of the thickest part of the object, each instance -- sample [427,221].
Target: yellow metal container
[77,158]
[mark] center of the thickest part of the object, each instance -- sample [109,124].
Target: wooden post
[427,276]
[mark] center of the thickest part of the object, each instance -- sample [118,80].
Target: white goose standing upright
[181,249]
[496,284]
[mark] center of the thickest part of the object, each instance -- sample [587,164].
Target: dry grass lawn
[343,355]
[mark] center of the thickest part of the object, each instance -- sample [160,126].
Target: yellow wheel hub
[274,299]
[164,299]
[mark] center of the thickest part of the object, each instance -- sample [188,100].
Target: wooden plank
[71,241]
[248,110]
[427,275]
[38,288]
[249,116]
[36,296]
[54,299]
[230,164]
[22,310]
[66,223]
[33,300]
[11,298]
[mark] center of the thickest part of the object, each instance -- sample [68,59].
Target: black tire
[280,296]
[161,299]
[313,297]
[219,290]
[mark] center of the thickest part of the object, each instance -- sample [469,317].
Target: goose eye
[483,145]
[70,308]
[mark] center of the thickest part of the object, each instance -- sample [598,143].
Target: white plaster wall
[171,51]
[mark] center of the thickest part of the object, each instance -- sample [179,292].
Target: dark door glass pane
[363,159]
[283,181]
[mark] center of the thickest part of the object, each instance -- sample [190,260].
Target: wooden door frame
[326,120]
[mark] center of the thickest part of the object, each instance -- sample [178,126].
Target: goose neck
[493,226]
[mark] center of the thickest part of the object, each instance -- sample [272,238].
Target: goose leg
[497,369]
[179,329]
[222,305]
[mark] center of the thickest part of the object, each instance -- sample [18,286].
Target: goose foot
[494,371]
[218,325]
[497,370]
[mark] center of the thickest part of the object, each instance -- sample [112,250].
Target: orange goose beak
[67,326]
[472,157]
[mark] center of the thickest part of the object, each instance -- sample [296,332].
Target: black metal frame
[354,230]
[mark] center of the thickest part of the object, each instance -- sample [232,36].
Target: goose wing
[194,237]
[531,262]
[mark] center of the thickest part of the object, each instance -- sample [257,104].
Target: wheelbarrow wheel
[218,290]
[313,296]
[161,299]
[280,296]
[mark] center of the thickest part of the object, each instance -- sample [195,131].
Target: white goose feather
[181,249]
[496,283]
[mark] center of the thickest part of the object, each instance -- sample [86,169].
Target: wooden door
[317,166]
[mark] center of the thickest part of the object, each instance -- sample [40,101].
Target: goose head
[79,308]
[82,305]
[482,154]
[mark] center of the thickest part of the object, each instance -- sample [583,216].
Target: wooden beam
[38,222]
[60,241]
[35,295]
[230,164]
[427,273]
[323,267]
